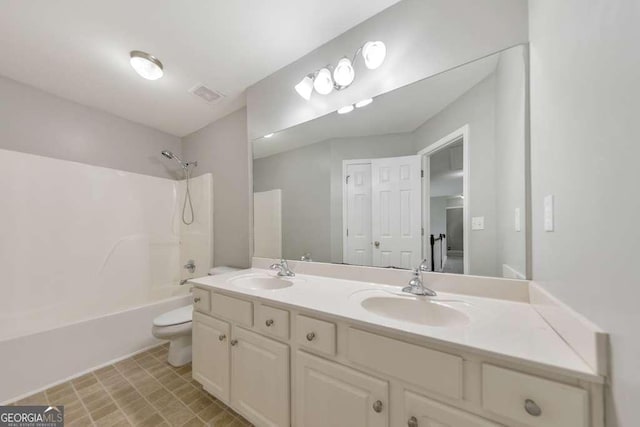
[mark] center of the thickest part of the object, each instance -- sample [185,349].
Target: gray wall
[311,181]
[510,146]
[36,122]
[304,176]
[585,100]
[475,108]
[423,38]
[221,148]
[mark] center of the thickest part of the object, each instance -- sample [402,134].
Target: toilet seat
[174,317]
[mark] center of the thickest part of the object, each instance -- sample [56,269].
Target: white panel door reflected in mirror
[434,170]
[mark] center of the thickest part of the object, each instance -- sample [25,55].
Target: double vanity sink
[311,351]
[385,303]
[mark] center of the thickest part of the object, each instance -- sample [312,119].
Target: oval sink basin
[261,282]
[414,310]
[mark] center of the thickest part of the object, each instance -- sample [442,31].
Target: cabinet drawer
[316,334]
[272,321]
[422,411]
[237,310]
[432,370]
[507,392]
[201,300]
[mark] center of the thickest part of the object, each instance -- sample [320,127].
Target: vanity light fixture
[374,54]
[343,74]
[364,102]
[323,83]
[269,135]
[146,65]
[346,109]
[305,87]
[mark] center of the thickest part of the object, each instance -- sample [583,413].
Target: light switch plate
[548,213]
[477,223]
[516,225]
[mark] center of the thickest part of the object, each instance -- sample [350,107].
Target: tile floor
[143,390]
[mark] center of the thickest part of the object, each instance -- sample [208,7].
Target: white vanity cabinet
[260,378]
[281,366]
[329,394]
[211,357]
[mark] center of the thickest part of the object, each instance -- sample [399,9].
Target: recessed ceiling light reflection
[346,109]
[364,102]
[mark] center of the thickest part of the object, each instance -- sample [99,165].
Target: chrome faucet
[283,268]
[416,287]
[306,257]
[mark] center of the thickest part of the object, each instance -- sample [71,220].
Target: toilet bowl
[175,326]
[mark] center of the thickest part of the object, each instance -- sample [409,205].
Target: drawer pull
[311,336]
[196,300]
[269,322]
[532,408]
[413,422]
[234,342]
[377,406]
[222,337]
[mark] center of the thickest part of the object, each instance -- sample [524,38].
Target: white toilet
[175,326]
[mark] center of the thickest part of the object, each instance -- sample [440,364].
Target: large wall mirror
[434,170]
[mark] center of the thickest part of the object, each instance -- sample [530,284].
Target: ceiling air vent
[210,96]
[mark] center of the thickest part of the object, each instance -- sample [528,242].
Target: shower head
[169,155]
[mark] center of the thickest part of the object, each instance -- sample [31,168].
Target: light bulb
[146,65]
[344,73]
[305,87]
[323,84]
[346,109]
[374,54]
[364,102]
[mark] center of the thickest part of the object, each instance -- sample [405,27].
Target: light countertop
[503,329]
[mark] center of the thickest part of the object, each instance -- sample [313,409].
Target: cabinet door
[210,348]
[260,378]
[328,394]
[420,411]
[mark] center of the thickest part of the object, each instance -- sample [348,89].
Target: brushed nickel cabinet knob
[311,336]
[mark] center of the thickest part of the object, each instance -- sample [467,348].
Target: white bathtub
[36,361]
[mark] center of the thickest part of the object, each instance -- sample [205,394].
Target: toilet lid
[174,317]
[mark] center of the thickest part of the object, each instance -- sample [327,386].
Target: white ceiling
[399,111]
[79,49]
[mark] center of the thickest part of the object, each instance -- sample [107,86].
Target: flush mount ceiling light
[343,75]
[346,109]
[364,102]
[374,54]
[148,66]
[323,83]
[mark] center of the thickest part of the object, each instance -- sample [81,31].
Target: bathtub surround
[584,104]
[40,123]
[90,256]
[221,149]
[137,391]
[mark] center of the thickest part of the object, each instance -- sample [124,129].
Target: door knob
[222,337]
[376,244]
[234,342]
[377,406]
